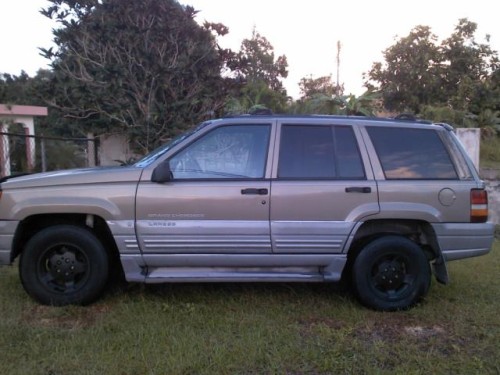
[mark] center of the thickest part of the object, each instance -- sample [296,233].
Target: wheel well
[417,231]
[95,224]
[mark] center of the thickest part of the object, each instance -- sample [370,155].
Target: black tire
[64,265]
[391,273]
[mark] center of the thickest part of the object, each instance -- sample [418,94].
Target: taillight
[478,206]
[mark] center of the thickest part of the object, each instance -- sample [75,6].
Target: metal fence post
[43,154]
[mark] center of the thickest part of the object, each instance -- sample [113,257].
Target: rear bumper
[7,230]
[464,240]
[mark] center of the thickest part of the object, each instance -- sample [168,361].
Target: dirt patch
[70,318]
[395,327]
[389,328]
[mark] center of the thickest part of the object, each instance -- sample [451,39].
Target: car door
[322,186]
[217,200]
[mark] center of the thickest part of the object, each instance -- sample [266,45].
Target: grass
[256,329]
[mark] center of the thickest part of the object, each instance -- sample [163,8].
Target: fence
[22,153]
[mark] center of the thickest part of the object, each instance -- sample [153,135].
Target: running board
[152,268]
[243,274]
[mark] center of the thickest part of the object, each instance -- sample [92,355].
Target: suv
[377,202]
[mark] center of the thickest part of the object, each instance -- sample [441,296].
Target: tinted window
[319,152]
[411,153]
[236,151]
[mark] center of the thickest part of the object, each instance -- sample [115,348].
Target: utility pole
[337,88]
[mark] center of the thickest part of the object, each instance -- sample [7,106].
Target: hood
[74,177]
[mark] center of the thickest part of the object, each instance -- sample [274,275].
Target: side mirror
[162,172]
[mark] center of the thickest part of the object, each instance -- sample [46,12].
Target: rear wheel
[64,265]
[391,273]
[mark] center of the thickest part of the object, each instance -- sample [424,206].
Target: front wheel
[391,273]
[64,265]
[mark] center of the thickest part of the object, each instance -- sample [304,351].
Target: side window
[228,152]
[319,152]
[348,157]
[411,153]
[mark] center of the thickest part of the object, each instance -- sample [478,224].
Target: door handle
[253,191]
[358,189]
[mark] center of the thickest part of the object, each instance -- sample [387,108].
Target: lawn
[256,329]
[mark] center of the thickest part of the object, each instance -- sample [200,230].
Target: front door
[217,201]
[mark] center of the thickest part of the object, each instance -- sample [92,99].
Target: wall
[470,138]
[493,188]
[114,150]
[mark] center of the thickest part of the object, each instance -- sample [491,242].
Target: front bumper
[464,240]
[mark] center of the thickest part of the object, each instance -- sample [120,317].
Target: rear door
[322,186]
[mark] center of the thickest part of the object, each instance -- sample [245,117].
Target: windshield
[157,153]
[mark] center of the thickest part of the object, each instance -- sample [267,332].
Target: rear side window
[319,152]
[412,154]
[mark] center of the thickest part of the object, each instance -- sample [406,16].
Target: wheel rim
[392,277]
[63,268]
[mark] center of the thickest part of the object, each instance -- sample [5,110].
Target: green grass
[256,329]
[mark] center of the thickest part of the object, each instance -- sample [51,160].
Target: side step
[235,274]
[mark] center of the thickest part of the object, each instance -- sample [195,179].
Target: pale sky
[305,31]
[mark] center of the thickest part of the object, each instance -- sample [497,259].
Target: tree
[311,87]
[256,62]
[469,65]
[366,104]
[19,89]
[455,79]
[145,68]
[259,73]
[409,77]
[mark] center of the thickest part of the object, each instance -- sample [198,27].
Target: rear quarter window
[412,154]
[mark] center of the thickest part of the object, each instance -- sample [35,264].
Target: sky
[306,32]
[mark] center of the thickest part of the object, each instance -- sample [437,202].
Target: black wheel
[63,265]
[391,273]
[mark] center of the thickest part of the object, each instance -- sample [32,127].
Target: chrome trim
[309,236]
[204,236]
[124,234]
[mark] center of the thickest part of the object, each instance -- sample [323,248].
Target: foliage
[366,104]
[469,66]
[254,94]
[17,89]
[459,73]
[490,151]
[256,62]
[413,59]
[311,87]
[146,68]
[447,115]
[259,73]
